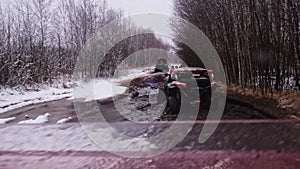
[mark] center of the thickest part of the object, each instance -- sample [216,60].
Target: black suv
[182,85]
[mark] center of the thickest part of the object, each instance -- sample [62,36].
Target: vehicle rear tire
[174,105]
[205,101]
[157,70]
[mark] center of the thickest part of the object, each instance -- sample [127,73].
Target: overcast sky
[133,6]
[141,6]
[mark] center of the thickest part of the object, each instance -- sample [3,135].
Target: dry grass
[289,100]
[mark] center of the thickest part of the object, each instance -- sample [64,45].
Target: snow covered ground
[11,99]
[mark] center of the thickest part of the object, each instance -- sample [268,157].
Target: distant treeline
[41,40]
[258,40]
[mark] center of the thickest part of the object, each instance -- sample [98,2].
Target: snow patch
[11,99]
[7,120]
[97,90]
[64,120]
[39,120]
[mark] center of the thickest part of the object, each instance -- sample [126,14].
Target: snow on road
[7,120]
[11,99]
[64,120]
[39,120]
[97,90]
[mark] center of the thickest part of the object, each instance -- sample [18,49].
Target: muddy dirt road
[246,137]
[179,160]
[235,108]
[236,145]
[64,108]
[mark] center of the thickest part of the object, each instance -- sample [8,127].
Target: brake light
[179,85]
[197,101]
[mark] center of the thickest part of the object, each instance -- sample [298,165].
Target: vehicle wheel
[205,101]
[174,105]
[156,70]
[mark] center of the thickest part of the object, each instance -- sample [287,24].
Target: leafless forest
[41,40]
[258,40]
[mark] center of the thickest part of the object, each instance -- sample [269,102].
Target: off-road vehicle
[183,83]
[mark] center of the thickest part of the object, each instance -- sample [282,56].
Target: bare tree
[41,42]
[258,40]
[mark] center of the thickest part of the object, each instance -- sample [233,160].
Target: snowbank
[11,99]
[39,120]
[64,120]
[97,90]
[7,120]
